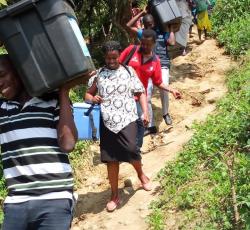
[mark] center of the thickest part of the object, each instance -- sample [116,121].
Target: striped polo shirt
[33,164]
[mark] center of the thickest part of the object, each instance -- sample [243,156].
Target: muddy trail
[200,76]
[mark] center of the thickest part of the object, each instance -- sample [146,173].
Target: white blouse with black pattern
[117,89]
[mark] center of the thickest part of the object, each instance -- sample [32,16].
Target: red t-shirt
[150,69]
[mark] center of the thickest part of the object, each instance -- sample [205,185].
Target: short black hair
[147,17]
[111,46]
[149,33]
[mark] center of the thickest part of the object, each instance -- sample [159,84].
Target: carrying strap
[125,66]
[91,120]
[130,55]
[89,110]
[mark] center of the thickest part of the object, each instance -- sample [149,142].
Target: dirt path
[200,77]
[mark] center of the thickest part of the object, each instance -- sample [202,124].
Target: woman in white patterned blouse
[117,85]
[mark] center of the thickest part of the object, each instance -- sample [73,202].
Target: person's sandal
[112,205]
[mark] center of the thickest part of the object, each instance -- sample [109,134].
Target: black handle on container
[91,119]
[89,110]
[20,7]
[92,124]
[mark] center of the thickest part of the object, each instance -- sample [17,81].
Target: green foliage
[236,37]
[79,160]
[199,179]
[77,94]
[227,11]
[230,20]
[157,219]
[3,2]
[2,51]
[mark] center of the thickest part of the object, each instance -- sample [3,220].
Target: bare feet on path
[200,76]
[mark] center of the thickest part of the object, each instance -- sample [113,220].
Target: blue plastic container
[87,120]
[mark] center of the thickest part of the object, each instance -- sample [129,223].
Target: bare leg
[141,175]
[205,32]
[113,171]
[199,33]
[190,31]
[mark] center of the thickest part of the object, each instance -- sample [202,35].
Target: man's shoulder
[2,100]
[5,104]
[130,47]
[156,59]
[45,100]
[159,32]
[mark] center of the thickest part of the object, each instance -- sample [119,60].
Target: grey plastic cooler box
[166,12]
[45,43]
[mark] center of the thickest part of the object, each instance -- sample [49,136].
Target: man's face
[147,45]
[10,85]
[149,23]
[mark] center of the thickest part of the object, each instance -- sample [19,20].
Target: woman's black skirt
[120,146]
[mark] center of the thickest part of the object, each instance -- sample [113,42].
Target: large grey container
[166,12]
[45,43]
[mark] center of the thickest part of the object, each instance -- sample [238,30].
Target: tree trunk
[121,14]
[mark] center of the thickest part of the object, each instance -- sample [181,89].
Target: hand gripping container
[166,12]
[87,120]
[45,43]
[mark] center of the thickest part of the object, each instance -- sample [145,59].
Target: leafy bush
[80,160]
[2,50]
[230,20]
[236,37]
[227,11]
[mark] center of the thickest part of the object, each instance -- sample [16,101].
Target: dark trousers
[38,215]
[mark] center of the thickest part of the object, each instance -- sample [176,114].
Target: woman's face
[147,45]
[112,59]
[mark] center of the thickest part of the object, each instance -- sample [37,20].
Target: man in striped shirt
[36,133]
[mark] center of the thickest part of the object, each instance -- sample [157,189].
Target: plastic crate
[166,12]
[45,43]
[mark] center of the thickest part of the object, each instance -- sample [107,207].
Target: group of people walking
[37,133]
[124,88]
[122,93]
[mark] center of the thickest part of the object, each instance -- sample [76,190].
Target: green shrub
[235,36]
[227,11]
[2,51]
[198,181]
[230,21]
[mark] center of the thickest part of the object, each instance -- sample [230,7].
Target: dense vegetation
[231,25]
[208,186]
[198,186]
